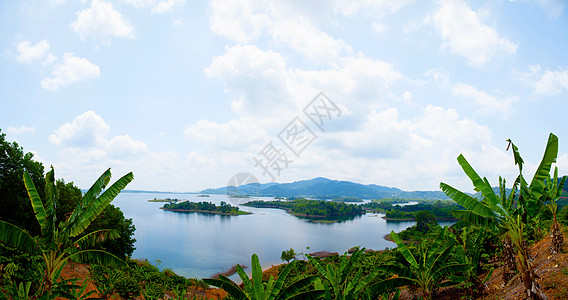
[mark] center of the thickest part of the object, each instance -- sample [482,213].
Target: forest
[304,207]
[508,242]
[206,207]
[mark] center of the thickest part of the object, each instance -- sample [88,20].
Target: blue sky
[187,94]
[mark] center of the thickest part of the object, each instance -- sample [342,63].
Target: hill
[323,188]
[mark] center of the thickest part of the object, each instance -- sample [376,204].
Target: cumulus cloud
[20,130]
[100,22]
[28,53]
[485,101]
[90,131]
[552,82]
[72,69]
[465,34]
[257,78]
[86,130]
[124,145]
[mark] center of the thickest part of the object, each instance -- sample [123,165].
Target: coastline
[288,210]
[412,219]
[208,212]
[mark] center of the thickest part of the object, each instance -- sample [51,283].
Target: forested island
[441,210]
[311,208]
[205,207]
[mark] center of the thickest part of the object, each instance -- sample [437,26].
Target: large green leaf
[392,283]
[98,205]
[99,257]
[480,184]
[37,204]
[246,281]
[15,236]
[542,173]
[296,287]
[257,277]
[91,239]
[91,195]
[281,279]
[229,286]
[308,295]
[467,201]
[404,250]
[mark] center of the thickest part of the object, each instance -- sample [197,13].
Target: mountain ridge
[324,188]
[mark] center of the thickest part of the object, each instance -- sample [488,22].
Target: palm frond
[229,286]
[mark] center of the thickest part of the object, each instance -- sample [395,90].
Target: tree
[427,269]
[272,290]
[338,276]
[510,219]
[58,241]
[15,207]
[288,255]
[425,220]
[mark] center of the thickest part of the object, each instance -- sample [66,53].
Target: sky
[187,94]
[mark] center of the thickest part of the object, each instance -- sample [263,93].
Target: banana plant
[338,276]
[430,269]
[511,219]
[554,190]
[59,242]
[271,290]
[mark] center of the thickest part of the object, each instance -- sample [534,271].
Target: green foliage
[288,255]
[344,279]
[499,212]
[255,288]
[60,242]
[306,207]
[428,269]
[15,206]
[425,220]
[223,208]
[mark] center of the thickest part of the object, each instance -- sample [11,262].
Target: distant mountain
[323,188]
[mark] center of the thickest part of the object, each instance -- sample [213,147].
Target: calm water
[200,245]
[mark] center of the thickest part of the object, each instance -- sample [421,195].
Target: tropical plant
[57,243]
[554,189]
[271,290]
[344,284]
[429,270]
[501,212]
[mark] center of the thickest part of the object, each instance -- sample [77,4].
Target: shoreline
[412,219]
[289,211]
[207,211]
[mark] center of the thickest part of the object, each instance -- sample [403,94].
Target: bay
[199,245]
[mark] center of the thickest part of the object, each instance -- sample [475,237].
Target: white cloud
[305,39]
[27,53]
[486,102]
[235,135]
[465,34]
[100,22]
[20,130]
[157,6]
[552,82]
[86,130]
[257,78]
[72,69]
[240,21]
[124,145]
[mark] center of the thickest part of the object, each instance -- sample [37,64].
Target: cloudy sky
[187,94]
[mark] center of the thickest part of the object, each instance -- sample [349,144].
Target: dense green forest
[207,207]
[304,207]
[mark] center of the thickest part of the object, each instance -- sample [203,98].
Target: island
[205,207]
[311,208]
[165,200]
